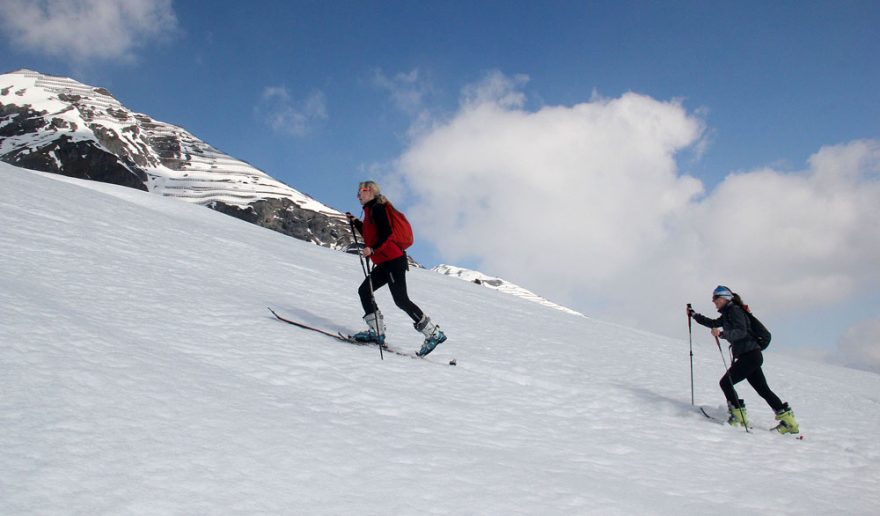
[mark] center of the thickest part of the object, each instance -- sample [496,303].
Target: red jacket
[377,233]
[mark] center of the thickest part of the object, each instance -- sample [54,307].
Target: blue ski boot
[375,331]
[433,335]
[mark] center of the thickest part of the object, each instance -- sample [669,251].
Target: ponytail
[739,302]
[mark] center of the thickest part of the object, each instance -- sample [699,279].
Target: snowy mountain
[142,374]
[59,125]
[498,284]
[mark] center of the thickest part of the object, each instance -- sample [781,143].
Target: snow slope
[140,373]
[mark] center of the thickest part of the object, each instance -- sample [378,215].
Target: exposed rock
[19,120]
[284,216]
[81,160]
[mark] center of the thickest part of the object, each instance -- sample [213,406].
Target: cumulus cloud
[288,116]
[801,239]
[82,30]
[568,196]
[586,205]
[860,346]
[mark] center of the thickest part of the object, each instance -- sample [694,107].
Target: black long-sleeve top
[736,329]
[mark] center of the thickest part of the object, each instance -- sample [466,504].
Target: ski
[723,421]
[385,347]
[710,416]
[350,339]
[337,336]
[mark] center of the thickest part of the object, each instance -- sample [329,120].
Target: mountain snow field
[141,373]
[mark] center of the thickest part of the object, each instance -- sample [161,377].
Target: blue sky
[323,94]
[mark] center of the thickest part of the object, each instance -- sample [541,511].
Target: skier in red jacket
[390,266]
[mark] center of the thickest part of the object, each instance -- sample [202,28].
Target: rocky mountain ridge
[59,125]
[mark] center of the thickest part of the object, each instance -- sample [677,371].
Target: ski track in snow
[141,373]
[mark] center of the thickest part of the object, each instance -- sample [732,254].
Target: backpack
[401,230]
[758,330]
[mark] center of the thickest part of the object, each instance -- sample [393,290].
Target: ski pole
[376,312]
[691,344]
[368,276]
[730,379]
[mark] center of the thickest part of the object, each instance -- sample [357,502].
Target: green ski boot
[787,423]
[737,415]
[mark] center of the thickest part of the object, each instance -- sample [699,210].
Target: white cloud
[496,88]
[286,116]
[406,89]
[860,346]
[801,239]
[559,194]
[585,204]
[408,92]
[86,29]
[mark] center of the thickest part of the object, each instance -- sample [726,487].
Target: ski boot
[737,415]
[375,331]
[433,335]
[787,423]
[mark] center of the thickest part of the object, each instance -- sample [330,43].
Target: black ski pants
[748,367]
[393,274]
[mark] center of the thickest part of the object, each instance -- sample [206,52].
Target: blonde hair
[377,192]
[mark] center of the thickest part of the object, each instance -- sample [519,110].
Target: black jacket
[737,330]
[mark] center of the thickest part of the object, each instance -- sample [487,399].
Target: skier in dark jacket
[390,269]
[734,327]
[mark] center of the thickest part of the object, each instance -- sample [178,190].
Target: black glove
[690,311]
